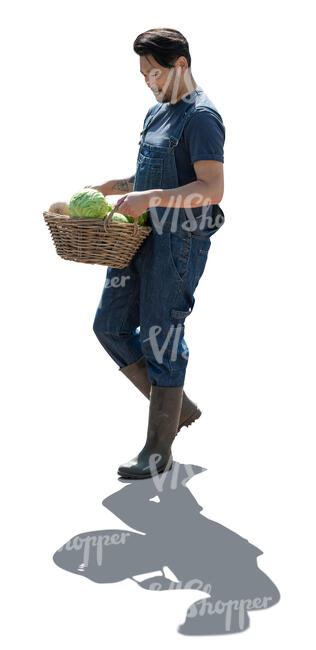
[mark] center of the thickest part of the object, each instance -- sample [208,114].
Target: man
[179,178]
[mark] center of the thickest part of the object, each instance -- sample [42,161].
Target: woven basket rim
[95,221]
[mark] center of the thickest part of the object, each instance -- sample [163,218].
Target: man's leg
[137,373]
[117,317]
[163,308]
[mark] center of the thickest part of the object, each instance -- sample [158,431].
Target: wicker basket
[96,241]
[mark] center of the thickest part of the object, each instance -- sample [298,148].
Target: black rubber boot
[156,456]
[138,375]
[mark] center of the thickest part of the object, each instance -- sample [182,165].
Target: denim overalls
[143,307]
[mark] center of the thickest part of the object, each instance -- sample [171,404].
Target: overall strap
[152,112]
[175,137]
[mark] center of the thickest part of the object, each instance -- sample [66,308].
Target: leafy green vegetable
[117,216]
[89,203]
[142,219]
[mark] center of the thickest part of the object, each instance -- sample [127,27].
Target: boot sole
[194,416]
[140,476]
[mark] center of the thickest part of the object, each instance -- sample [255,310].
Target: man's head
[165,62]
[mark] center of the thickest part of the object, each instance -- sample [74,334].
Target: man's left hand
[133,204]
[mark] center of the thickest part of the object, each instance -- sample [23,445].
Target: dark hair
[164,44]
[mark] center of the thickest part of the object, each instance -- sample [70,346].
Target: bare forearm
[191,195]
[119,186]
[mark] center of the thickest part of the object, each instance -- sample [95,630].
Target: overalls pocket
[148,173]
[202,247]
[179,250]
[179,315]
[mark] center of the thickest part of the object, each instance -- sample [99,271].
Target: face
[165,83]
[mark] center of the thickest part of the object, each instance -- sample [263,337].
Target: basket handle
[108,220]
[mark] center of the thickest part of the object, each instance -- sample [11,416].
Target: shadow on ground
[180,548]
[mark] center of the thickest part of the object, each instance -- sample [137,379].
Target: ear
[182,63]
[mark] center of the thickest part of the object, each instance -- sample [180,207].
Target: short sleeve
[204,136]
[148,113]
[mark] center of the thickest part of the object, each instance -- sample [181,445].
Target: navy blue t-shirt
[202,138]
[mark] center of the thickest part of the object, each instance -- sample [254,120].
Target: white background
[74,106]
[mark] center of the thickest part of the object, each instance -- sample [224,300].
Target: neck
[188,87]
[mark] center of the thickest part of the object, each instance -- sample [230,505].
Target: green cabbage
[142,219]
[89,204]
[117,216]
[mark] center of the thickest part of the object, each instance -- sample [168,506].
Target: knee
[101,327]
[97,326]
[104,328]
